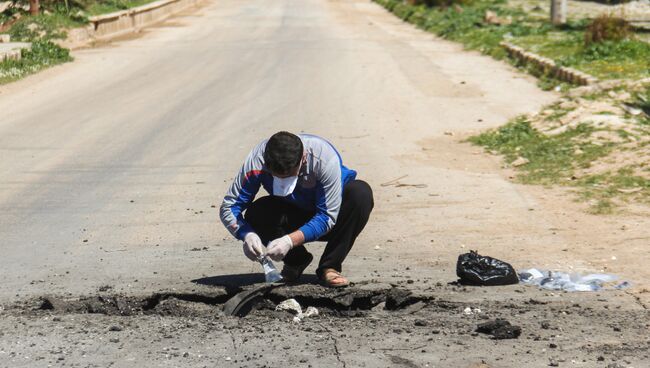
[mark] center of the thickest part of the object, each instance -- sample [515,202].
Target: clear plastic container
[271,274]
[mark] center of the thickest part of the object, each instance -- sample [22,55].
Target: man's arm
[297,238]
[241,193]
[328,204]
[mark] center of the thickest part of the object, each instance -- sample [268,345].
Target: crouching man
[312,197]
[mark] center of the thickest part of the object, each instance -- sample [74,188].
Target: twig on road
[396,183]
[392,349]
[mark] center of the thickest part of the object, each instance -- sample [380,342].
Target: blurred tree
[558,12]
[34,7]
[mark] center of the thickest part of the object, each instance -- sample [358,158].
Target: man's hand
[279,248]
[253,247]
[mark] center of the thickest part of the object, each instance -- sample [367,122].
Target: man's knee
[359,194]
[258,211]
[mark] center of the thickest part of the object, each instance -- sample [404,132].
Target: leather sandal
[333,279]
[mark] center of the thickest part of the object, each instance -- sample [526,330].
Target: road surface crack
[336,346]
[637,299]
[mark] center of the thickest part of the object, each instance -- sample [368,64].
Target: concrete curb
[112,25]
[10,55]
[549,66]
[12,51]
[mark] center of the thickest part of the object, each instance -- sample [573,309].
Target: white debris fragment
[311,311]
[290,305]
[470,311]
[293,306]
[632,110]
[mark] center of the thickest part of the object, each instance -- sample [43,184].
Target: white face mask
[282,187]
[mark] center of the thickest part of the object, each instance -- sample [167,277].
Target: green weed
[551,159]
[41,27]
[43,54]
[607,27]
[555,159]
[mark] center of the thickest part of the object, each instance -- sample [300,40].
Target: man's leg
[355,210]
[273,218]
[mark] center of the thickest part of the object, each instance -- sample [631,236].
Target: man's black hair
[283,152]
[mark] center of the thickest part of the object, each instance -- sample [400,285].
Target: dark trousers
[272,217]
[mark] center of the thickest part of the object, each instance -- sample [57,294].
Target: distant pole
[558,12]
[34,7]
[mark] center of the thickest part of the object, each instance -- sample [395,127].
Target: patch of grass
[110,6]
[551,159]
[605,60]
[628,59]
[55,18]
[605,189]
[40,30]
[467,25]
[41,27]
[43,54]
[602,207]
[609,54]
[554,160]
[607,27]
[557,114]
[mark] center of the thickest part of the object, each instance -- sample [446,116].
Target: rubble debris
[555,280]
[292,306]
[520,161]
[499,329]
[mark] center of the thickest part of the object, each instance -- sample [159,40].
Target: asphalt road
[113,167]
[110,165]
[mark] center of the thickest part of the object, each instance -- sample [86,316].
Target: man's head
[283,153]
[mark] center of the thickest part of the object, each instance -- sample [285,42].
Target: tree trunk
[34,7]
[558,12]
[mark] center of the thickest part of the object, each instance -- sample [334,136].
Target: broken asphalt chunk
[499,329]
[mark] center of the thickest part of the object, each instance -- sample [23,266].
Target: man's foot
[332,278]
[292,273]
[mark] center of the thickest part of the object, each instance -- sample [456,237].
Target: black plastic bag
[475,269]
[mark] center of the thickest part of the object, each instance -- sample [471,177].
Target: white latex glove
[279,248]
[253,247]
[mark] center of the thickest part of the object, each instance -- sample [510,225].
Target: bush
[403,11]
[607,28]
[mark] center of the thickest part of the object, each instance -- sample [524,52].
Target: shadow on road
[245,279]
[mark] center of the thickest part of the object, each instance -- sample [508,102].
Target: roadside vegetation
[46,29]
[42,54]
[595,139]
[604,47]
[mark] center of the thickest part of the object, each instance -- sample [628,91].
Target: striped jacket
[319,188]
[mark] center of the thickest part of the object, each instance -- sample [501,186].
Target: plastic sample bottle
[271,274]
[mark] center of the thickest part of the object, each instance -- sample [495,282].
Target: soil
[358,326]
